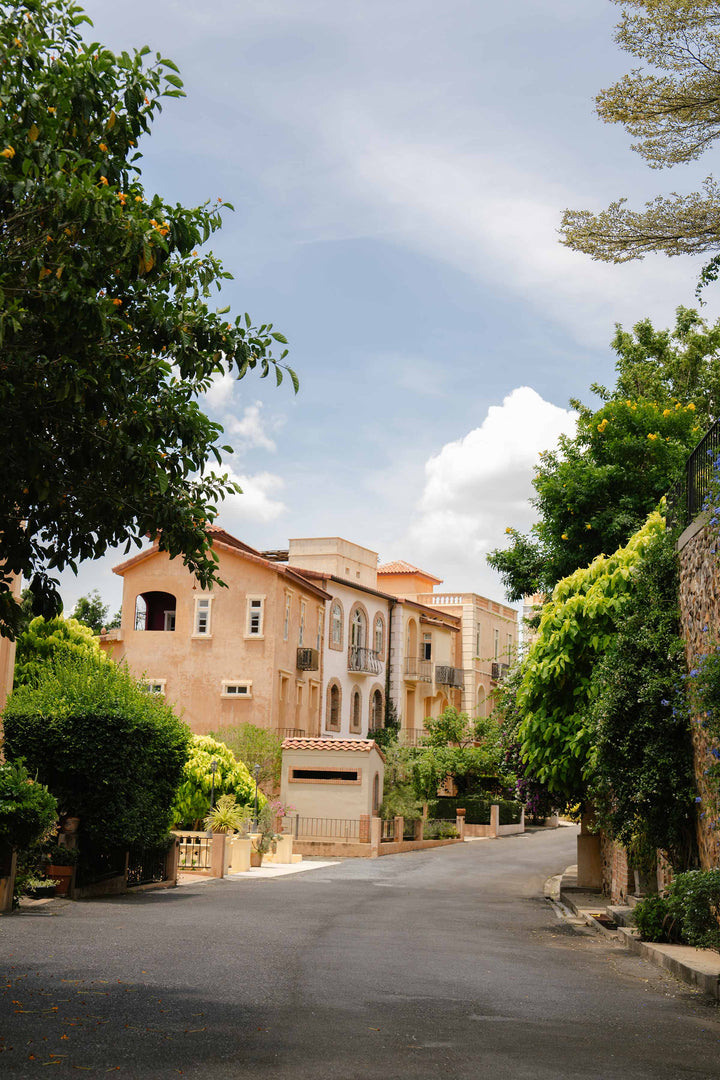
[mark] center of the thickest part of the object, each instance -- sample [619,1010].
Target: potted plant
[263,839]
[38,888]
[62,862]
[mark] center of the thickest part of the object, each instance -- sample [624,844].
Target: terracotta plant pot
[64,876]
[256,858]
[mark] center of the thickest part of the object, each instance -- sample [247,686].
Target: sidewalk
[696,967]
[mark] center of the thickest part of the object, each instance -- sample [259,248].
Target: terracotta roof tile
[364,745]
[399,566]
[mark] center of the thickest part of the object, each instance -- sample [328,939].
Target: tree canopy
[231,777]
[48,640]
[107,336]
[671,105]
[93,613]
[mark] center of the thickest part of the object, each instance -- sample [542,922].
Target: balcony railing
[499,671]
[308,659]
[412,736]
[362,659]
[449,676]
[417,669]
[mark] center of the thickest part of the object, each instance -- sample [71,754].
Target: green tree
[106,333]
[109,751]
[90,611]
[48,640]
[557,689]
[669,105]
[27,809]
[231,777]
[597,488]
[253,745]
[641,766]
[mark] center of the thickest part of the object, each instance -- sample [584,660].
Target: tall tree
[671,105]
[106,333]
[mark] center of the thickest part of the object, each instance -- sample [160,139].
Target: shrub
[253,745]
[654,919]
[694,899]
[111,752]
[27,809]
[439,830]
[192,802]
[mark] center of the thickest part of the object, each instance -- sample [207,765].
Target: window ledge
[254,637]
[201,637]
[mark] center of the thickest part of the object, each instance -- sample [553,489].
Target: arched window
[376,794]
[355,710]
[332,721]
[481,701]
[379,639]
[336,625]
[358,629]
[155,611]
[377,712]
[411,643]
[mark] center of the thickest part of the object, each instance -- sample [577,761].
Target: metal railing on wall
[686,497]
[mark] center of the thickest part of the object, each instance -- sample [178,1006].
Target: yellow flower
[508,529]
[52,109]
[564,536]
[651,436]
[104,180]
[588,525]
[117,302]
[667,412]
[8,152]
[103,147]
[691,407]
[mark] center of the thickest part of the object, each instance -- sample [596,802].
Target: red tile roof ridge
[363,745]
[399,566]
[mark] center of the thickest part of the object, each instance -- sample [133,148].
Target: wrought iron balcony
[499,671]
[449,676]
[417,669]
[362,659]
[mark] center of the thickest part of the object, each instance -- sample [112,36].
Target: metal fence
[310,828]
[387,830]
[147,865]
[686,497]
[195,851]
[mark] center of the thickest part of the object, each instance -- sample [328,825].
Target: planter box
[237,850]
[66,879]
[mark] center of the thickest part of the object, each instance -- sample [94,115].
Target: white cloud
[258,502]
[220,394]
[251,428]
[478,485]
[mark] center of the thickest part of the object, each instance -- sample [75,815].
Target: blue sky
[398,169]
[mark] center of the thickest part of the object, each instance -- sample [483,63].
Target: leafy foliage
[110,752]
[48,640]
[253,745]
[27,809]
[694,899]
[106,333]
[669,107]
[192,801]
[557,688]
[91,612]
[653,919]
[597,488]
[642,782]
[538,801]
[400,798]
[227,816]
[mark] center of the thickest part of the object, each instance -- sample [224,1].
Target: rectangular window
[155,686]
[426,653]
[301,632]
[325,776]
[202,616]
[255,616]
[236,688]
[299,690]
[286,624]
[169,620]
[477,643]
[318,639]
[496,637]
[509,647]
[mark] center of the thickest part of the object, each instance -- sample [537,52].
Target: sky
[398,170]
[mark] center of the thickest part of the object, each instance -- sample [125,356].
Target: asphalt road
[442,963]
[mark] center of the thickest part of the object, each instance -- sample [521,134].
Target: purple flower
[698,798]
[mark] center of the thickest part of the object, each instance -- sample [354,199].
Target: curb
[699,968]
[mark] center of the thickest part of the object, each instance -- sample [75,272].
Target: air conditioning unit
[308,659]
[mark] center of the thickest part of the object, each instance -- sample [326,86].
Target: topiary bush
[27,809]
[654,919]
[111,752]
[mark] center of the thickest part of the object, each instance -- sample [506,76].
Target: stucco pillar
[399,825]
[494,820]
[217,856]
[460,823]
[364,828]
[589,856]
[419,826]
[375,834]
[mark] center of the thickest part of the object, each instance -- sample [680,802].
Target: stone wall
[700,622]
[615,874]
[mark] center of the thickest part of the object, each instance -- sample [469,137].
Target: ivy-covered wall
[700,621]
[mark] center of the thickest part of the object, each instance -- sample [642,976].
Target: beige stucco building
[7,651]
[489,630]
[251,652]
